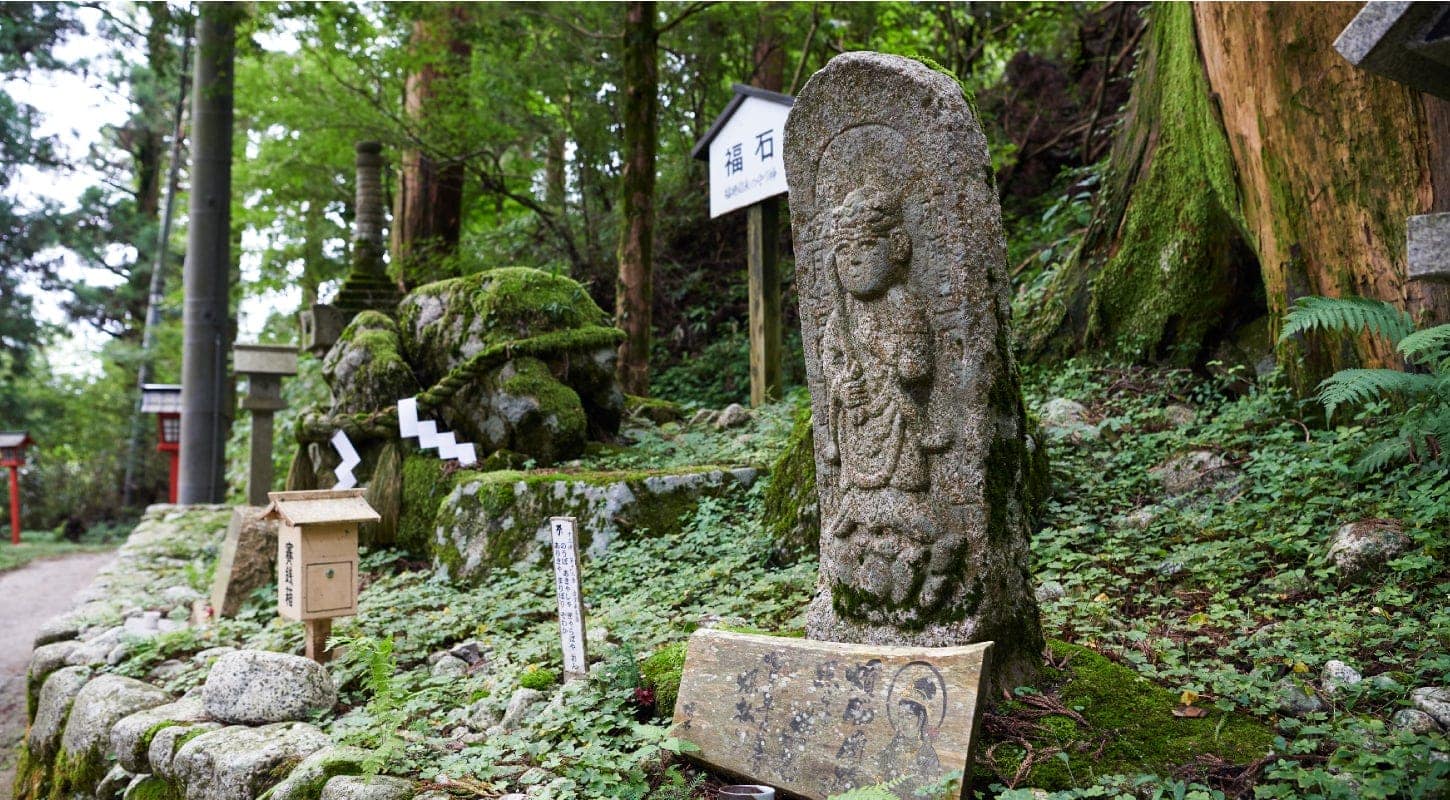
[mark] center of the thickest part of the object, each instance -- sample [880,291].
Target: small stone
[114,784]
[303,781]
[180,595]
[1296,700]
[145,626]
[1193,472]
[481,716]
[57,629]
[57,696]
[1066,420]
[1435,701]
[209,656]
[1179,415]
[164,744]
[131,737]
[471,652]
[378,787]
[97,649]
[1414,720]
[167,670]
[44,660]
[104,701]
[1338,674]
[449,666]
[250,687]
[702,417]
[238,763]
[1139,519]
[1047,591]
[520,704]
[1360,548]
[1168,567]
[514,796]
[732,416]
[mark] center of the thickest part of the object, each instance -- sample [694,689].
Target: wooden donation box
[317,551]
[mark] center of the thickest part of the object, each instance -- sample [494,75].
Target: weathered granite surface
[920,429]
[252,687]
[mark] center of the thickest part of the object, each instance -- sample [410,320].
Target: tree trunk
[429,205]
[1330,161]
[634,294]
[206,322]
[1255,166]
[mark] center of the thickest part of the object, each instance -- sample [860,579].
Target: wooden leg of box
[315,633]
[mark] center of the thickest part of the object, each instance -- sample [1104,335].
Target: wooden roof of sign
[701,149]
[322,506]
[161,398]
[15,439]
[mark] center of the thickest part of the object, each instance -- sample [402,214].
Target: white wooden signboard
[746,166]
[571,602]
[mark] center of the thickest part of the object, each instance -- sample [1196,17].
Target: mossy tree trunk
[1255,166]
[634,294]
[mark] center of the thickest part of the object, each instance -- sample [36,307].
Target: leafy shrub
[661,673]
[539,678]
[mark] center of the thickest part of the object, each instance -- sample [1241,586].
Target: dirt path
[29,596]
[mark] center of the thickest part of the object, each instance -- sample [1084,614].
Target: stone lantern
[12,455]
[263,366]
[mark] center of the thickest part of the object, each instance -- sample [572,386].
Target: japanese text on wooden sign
[571,603]
[289,580]
[745,160]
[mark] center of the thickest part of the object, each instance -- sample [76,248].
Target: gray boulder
[1047,591]
[1296,699]
[732,416]
[520,705]
[251,687]
[1414,720]
[58,629]
[365,368]
[46,659]
[102,703]
[57,696]
[114,784]
[1362,547]
[1194,472]
[1338,674]
[1435,701]
[307,779]
[450,666]
[1066,420]
[131,737]
[239,763]
[378,787]
[161,755]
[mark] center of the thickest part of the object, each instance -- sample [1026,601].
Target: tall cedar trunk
[429,205]
[1255,166]
[1330,159]
[634,294]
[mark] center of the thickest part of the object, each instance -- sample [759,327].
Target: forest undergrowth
[1220,600]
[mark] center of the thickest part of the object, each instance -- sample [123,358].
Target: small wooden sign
[571,602]
[821,718]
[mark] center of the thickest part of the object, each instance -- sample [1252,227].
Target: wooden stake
[763,226]
[315,633]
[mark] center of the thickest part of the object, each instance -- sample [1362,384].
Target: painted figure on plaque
[876,359]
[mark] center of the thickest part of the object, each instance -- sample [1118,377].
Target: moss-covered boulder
[496,519]
[544,402]
[365,368]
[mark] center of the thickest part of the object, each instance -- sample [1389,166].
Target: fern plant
[1424,419]
[386,705]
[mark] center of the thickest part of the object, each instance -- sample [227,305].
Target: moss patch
[539,678]
[792,514]
[558,428]
[653,409]
[1130,728]
[424,487]
[153,788]
[661,673]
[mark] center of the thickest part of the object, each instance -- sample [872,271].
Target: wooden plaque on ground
[819,718]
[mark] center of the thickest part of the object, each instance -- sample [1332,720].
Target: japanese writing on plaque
[566,588]
[763,174]
[289,580]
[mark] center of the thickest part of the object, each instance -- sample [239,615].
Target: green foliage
[661,673]
[387,704]
[1422,416]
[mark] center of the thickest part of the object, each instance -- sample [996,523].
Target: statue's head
[870,241]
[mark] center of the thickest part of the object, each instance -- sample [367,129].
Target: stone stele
[821,718]
[919,424]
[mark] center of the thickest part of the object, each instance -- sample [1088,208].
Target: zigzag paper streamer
[430,438]
[350,460]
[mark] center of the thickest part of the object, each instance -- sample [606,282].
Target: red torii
[12,455]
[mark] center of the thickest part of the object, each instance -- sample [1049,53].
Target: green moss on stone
[1131,729]
[661,673]
[653,409]
[151,787]
[792,515]
[76,775]
[31,776]
[424,487]
[563,424]
[539,678]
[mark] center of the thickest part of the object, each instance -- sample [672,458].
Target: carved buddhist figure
[905,314]
[876,358]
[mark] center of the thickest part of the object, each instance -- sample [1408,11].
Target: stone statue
[904,299]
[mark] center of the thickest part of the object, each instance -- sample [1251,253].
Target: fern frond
[1346,315]
[1382,456]
[1359,385]
[1430,346]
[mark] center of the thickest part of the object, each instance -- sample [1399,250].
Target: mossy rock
[792,511]
[653,409]
[1130,730]
[544,406]
[661,673]
[493,520]
[365,368]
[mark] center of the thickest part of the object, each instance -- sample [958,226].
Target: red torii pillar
[12,455]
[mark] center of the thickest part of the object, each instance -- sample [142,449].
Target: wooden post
[314,634]
[764,265]
[570,597]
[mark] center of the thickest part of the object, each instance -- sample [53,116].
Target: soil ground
[31,595]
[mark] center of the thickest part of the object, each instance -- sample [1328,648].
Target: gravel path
[29,596]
